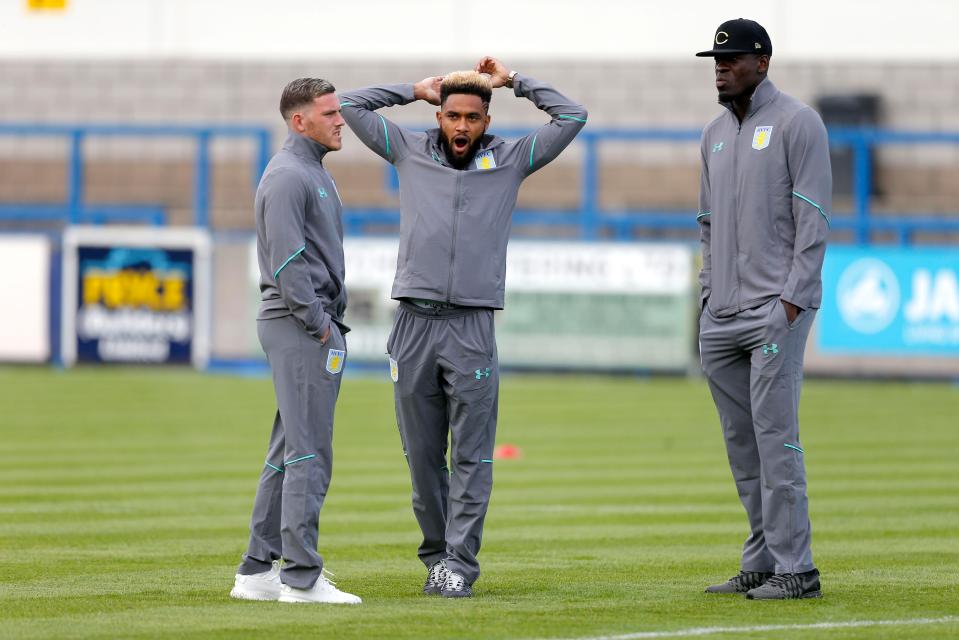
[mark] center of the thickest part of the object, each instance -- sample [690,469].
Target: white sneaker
[323,591]
[258,586]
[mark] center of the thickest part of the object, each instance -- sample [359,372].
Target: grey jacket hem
[749,304]
[428,294]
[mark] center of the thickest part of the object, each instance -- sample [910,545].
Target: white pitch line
[708,631]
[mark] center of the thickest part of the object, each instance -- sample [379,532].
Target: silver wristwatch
[509,79]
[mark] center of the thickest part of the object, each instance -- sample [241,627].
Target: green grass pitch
[125,494]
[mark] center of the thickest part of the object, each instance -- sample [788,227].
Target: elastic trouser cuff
[457,567]
[432,558]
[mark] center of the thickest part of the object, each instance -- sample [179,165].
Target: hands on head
[497,71]
[428,89]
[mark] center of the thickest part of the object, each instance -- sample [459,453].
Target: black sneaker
[456,587]
[436,578]
[787,586]
[741,583]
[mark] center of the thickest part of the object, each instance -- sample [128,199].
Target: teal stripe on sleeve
[531,152]
[815,204]
[300,459]
[572,118]
[347,104]
[792,446]
[275,468]
[485,460]
[276,273]
[386,132]
[703,215]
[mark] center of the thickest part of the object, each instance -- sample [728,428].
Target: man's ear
[763,64]
[296,122]
[439,117]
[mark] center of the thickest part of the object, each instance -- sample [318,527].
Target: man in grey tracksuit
[299,240]
[764,203]
[458,187]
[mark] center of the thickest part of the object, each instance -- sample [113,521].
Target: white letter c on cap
[724,35]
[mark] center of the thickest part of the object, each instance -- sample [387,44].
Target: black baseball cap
[739,36]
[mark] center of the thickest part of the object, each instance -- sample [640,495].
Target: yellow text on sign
[46,5]
[129,288]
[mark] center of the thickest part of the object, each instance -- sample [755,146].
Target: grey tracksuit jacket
[455,224]
[299,234]
[764,202]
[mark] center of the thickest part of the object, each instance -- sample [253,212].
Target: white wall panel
[420,29]
[25,291]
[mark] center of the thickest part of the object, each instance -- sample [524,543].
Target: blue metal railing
[75,210]
[588,218]
[863,222]
[593,221]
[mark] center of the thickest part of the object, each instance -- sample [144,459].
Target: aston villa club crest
[485,160]
[394,370]
[335,360]
[761,137]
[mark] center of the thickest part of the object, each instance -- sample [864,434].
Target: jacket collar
[488,141]
[304,147]
[764,93]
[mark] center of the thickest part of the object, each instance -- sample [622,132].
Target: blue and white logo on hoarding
[890,302]
[868,295]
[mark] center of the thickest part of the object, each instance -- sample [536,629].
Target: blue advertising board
[890,301]
[135,296]
[135,304]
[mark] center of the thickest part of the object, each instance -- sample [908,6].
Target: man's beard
[462,161]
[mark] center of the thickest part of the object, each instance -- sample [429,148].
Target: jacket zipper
[457,199]
[739,278]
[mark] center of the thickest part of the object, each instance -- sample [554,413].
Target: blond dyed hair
[468,82]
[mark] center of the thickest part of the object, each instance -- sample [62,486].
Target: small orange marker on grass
[507,452]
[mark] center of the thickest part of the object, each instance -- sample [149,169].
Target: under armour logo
[321,191]
[770,349]
[482,373]
[718,146]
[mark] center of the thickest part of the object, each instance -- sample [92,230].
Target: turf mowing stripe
[708,631]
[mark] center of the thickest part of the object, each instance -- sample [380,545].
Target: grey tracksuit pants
[753,363]
[446,385]
[299,461]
